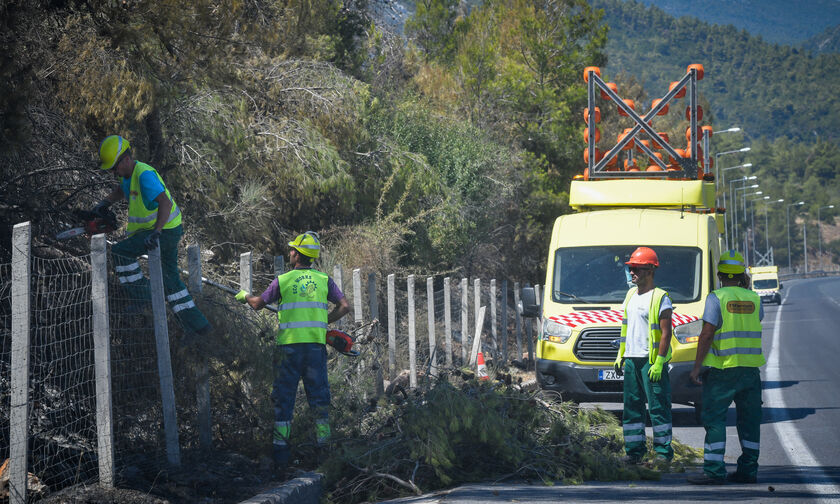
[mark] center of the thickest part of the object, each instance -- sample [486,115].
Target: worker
[302,294]
[730,345]
[154,219]
[644,349]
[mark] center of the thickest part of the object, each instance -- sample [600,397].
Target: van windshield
[599,275]
[767,283]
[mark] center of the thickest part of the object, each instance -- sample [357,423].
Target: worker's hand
[655,371]
[241,295]
[618,365]
[100,209]
[695,376]
[151,241]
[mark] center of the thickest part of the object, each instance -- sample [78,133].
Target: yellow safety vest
[302,313]
[737,341]
[141,218]
[655,331]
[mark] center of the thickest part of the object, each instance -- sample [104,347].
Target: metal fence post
[447,318]
[167,390]
[392,328]
[412,336]
[430,306]
[19,400]
[202,386]
[102,359]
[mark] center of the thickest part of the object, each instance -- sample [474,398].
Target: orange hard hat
[643,255]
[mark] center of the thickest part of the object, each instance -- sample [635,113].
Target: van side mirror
[528,305]
[781,285]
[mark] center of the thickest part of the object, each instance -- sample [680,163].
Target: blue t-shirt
[712,314]
[150,188]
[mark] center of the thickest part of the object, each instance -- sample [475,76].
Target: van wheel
[698,413]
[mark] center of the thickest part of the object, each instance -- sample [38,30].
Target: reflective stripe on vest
[737,342]
[302,313]
[654,331]
[141,218]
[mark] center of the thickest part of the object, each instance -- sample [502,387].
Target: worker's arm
[665,325]
[704,343]
[115,195]
[164,209]
[256,302]
[341,309]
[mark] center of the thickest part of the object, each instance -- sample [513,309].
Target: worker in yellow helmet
[730,345]
[154,219]
[302,293]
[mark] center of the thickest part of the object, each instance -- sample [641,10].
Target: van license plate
[609,375]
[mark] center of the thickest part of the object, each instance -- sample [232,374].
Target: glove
[655,371]
[618,365]
[101,208]
[240,296]
[151,241]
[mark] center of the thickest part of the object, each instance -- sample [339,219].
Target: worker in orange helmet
[644,349]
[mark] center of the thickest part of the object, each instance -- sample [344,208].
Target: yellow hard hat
[307,244]
[731,262]
[110,151]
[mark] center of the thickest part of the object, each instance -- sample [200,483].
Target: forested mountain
[768,89]
[780,21]
[827,41]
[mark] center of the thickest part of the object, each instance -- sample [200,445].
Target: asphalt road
[800,432]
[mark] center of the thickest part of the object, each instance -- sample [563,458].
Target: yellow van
[587,280]
[765,283]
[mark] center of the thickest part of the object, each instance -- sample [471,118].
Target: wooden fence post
[357,297]
[518,321]
[245,276]
[339,282]
[412,336]
[447,318]
[167,388]
[19,400]
[494,332]
[430,306]
[504,321]
[477,298]
[392,328]
[465,323]
[373,304]
[102,359]
[202,387]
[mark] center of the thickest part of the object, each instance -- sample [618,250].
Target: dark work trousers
[638,391]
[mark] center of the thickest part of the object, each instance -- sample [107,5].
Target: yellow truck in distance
[765,283]
[587,280]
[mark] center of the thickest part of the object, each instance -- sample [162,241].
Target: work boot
[737,477]
[705,479]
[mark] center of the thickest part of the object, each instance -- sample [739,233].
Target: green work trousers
[720,388]
[639,391]
[136,284]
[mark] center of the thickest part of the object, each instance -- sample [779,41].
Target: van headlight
[555,332]
[688,333]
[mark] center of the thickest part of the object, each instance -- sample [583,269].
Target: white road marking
[794,446]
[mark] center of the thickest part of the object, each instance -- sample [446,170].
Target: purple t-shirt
[272,293]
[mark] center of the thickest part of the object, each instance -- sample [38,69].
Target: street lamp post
[723,182]
[747,231]
[819,230]
[766,224]
[787,211]
[718,154]
[735,206]
[735,213]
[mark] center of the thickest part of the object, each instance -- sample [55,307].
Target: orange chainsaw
[93,223]
[342,342]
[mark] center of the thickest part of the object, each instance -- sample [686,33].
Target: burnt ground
[213,479]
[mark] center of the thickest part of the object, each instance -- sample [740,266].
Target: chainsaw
[342,342]
[94,223]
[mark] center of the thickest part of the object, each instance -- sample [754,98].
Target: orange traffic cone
[482,369]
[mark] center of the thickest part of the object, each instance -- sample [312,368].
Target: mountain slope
[827,41]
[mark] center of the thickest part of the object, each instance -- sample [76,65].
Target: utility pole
[805,242]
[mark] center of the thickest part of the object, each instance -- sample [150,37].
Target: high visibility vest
[302,313]
[141,218]
[654,330]
[737,341]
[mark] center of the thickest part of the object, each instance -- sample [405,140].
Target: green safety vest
[302,313]
[737,341]
[141,218]
[655,331]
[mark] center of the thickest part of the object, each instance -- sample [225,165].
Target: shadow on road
[778,384]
